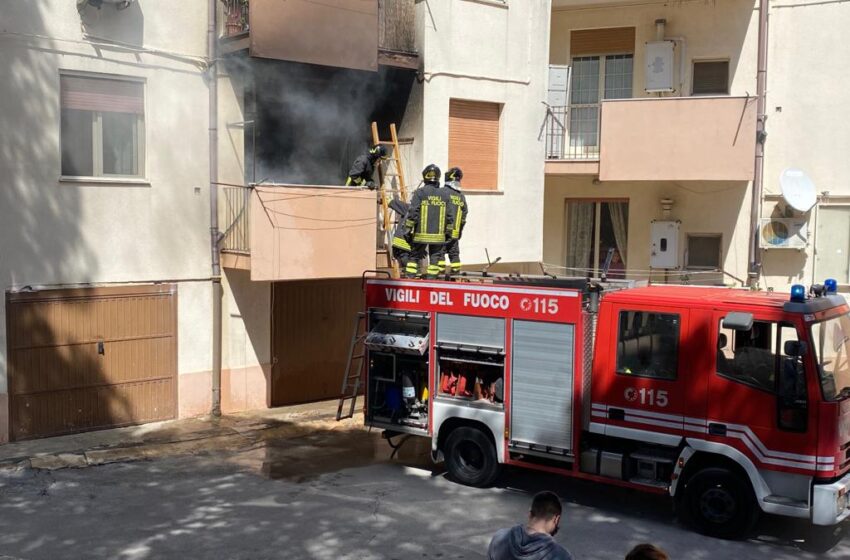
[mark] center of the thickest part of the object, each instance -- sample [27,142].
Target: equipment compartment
[397,393]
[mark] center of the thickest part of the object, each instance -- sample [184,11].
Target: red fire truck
[733,402]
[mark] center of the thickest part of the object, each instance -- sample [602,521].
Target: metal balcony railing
[234,17]
[235,219]
[572,132]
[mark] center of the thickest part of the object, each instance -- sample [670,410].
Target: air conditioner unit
[783,233]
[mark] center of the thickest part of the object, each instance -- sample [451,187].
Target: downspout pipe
[758,177]
[215,236]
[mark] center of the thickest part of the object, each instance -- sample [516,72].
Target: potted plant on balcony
[236,17]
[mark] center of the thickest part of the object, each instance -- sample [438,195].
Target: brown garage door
[311,333]
[91,358]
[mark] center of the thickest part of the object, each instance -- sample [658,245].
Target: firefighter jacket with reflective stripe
[461,210]
[360,174]
[431,216]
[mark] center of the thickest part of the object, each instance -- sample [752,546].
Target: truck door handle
[616,414]
[717,429]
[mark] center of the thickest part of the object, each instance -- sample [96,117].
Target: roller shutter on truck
[542,386]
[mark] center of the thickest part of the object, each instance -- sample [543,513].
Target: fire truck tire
[471,457]
[720,503]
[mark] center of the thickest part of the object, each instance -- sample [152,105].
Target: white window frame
[817,276]
[727,60]
[603,62]
[97,134]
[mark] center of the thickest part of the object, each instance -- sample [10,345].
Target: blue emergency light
[831,285]
[798,293]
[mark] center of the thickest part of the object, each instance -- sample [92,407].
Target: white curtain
[579,234]
[619,212]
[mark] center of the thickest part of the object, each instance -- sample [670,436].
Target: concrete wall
[489,51]
[54,232]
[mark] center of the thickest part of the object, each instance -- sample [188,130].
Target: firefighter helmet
[431,174]
[453,176]
[378,151]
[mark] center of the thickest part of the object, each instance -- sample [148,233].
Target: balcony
[298,232]
[654,139]
[355,34]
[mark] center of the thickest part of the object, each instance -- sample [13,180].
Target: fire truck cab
[734,402]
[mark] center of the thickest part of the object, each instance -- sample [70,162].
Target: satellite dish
[798,190]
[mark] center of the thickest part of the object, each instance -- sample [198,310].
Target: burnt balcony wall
[311,121]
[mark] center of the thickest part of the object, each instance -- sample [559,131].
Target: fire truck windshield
[831,339]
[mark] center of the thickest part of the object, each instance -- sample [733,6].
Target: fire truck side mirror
[795,348]
[738,321]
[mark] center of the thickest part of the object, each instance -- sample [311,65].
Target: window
[595,78]
[648,344]
[711,77]
[832,258]
[594,227]
[602,68]
[748,356]
[704,251]
[102,122]
[474,142]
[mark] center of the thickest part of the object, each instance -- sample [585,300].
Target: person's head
[453,177]
[377,151]
[545,512]
[431,174]
[647,551]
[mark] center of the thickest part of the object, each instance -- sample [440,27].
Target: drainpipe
[761,135]
[214,233]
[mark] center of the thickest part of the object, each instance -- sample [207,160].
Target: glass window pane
[648,344]
[584,123]
[585,80]
[77,143]
[711,78]
[580,235]
[747,356]
[618,76]
[120,144]
[832,250]
[703,251]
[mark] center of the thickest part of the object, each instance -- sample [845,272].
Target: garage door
[311,334]
[91,358]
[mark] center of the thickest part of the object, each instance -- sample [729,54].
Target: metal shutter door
[473,331]
[474,142]
[602,41]
[542,384]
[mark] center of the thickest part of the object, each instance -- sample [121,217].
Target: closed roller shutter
[471,331]
[91,358]
[602,41]
[542,384]
[474,142]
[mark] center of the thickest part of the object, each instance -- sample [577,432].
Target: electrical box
[664,248]
[559,82]
[659,67]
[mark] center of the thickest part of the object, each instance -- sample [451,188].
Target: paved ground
[317,489]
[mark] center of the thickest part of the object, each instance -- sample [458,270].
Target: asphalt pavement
[332,492]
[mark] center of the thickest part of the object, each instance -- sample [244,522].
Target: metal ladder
[389,170]
[353,374]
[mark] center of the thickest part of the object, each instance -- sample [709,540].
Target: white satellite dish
[798,190]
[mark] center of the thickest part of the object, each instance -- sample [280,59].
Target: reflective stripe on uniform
[429,238]
[456,229]
[401,243]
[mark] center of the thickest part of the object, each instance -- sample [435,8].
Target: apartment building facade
[108,315]
[652,139]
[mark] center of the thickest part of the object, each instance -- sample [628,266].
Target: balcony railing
[235,219]
[234,18]
[572,133]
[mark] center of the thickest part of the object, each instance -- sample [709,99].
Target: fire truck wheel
[471,458]
[720,503]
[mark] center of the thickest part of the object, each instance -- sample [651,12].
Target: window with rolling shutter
[474,142]
[612,40]
[711,77]
[102,122]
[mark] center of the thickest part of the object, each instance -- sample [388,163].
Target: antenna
[798,190]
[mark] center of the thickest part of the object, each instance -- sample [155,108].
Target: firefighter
[458,200]
[360,174]
[402,234]
[430,217]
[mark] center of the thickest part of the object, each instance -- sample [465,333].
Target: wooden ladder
[390,180]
